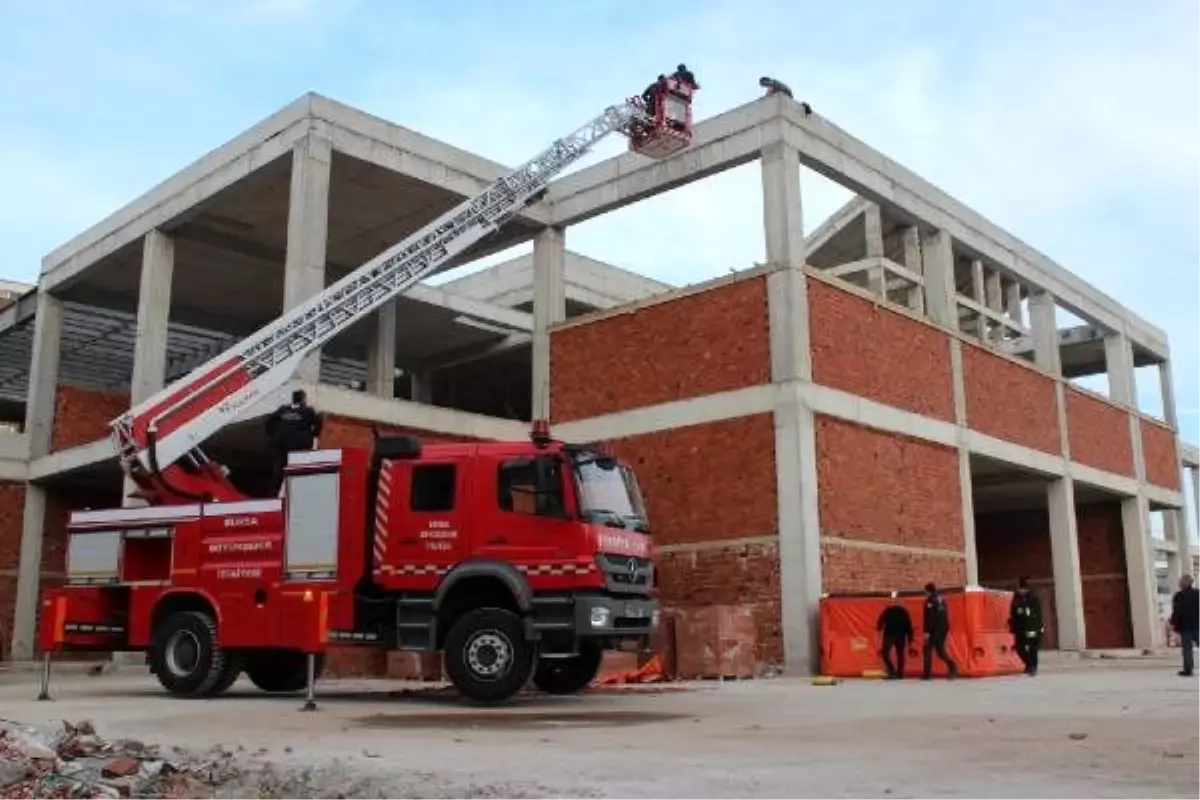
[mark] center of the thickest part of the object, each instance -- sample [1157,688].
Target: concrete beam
[829,150]
[718,144]
[516,321]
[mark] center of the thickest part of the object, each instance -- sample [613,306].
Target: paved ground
[1080,729]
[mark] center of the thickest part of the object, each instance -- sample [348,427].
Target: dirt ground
[1111,728]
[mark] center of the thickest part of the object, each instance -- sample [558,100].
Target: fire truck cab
[518,561]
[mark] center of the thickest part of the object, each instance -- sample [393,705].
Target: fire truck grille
[627,573]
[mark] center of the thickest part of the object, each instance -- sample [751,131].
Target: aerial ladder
[158,441]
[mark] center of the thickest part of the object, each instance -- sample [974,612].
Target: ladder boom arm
[159,431]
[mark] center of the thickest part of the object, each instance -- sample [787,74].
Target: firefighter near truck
[519,561]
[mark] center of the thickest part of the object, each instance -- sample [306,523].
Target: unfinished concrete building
[887,401]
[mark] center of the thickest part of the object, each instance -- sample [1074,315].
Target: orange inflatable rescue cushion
[979,641]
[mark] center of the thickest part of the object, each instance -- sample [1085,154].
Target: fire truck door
[527,523]
[428,515]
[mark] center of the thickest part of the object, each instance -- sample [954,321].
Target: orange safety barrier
[979,641]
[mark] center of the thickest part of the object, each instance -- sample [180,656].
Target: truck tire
[569,675]
[487,657]
[186,656]
[229,675]
[280,671]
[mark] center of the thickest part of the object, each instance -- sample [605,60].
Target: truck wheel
[281,670]
[229,675]
[569,675]
[487,657]
[186,656]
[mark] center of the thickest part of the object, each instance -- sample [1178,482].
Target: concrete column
[912,261]
[979,292]
[995,301]
[965,484]
[1064,551]
[381,352]
[1139,565]
[39,425]
[795,431]
[1045,332]
[1012,302]
[1118,358]
[1167,390]
[1175,531]
[940,291]
[153,314]
[421,386]
[549,307]
[873,224]
[307,233]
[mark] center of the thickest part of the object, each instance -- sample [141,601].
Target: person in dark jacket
[1025,623]
[1185,620]
[685,75]
[290,427]
[896,629]
[936,626]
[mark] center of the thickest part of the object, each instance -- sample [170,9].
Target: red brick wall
[1009,401]
[12,512]
[1102,568]
[871,351]
[881,487]
[346,432]
[694,345]
[746,575]
[1015,544]
[8,599]
[1099,433]
[886,489]
[707,482]
[1162,460]
[845,568]
[82,416]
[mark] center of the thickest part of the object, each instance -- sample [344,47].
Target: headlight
[599,617]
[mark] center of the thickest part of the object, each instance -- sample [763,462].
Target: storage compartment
[146,556]
[311,541]
[93,557]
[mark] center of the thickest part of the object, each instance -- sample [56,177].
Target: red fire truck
[519,561]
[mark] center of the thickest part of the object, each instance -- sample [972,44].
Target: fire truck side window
[518,488]
[433,487]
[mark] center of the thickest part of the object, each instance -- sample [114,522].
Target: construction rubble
[76,762]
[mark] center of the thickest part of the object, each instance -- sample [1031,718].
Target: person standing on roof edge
[1025,623]
[896,628]
[936,625]
[291,427]
[1185,620]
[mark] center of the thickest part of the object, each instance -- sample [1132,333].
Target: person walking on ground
[1025,623]
[936,626]
[1185,620]
[290,427]
[896,628]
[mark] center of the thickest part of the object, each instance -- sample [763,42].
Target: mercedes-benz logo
[632,564]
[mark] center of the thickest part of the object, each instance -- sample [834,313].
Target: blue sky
[1076,126]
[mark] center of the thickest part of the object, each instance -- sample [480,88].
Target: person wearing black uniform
[1185,619]
[290,427]
[1025,623]
[896,628]
[685,75]
[936,625]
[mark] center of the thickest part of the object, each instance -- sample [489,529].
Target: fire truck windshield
[609,493]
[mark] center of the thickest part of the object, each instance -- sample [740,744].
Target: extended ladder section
[173,423]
